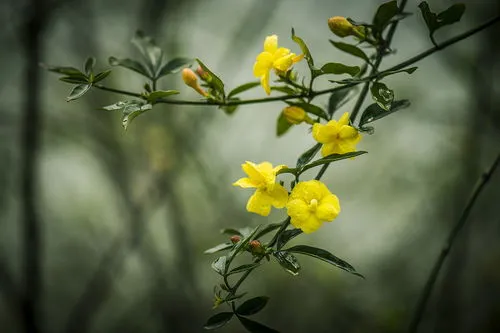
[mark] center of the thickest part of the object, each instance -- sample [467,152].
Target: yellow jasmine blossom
[273,57]
[269,193]
[337,137]
[310,204]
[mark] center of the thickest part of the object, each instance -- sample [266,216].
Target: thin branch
[431,280]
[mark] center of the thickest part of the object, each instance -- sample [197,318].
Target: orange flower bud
[191,80]
[202,74]
[235,239]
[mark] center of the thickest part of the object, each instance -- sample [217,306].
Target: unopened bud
[235,239]
[296,115]
[202,74]
[191,80]
[341,27]
[256,247]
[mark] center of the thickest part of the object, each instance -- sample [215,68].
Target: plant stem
[431,280]
[117,91]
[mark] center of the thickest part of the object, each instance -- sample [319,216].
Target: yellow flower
[310,204]
[280,59]
[337,137]
[269,193]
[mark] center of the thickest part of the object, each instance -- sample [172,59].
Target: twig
[431,280]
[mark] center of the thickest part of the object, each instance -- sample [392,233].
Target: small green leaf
[284,89]
[215,81]
[311,108]
[308,156]
[252,306]
[282,125]
[255,327]
[219,265]
[382,95]
[405,70]
[287,261]
[451,15]
[243,268]
[267,229]
[218,320]
[384,14]
[304,48]
[375,112]
[231,231]
[66,70]
[89,65]
[243,88]
[286,236]
[330,159]
[149,50]
[132,110]
[351,49]
[337,99]
[78,91]
[74,80]
[338,68]
[114,107]
[130,64]
[101,76]
[220,247]
[155,95]
[325,256]
[174,66]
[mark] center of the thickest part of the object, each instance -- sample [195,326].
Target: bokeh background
[113,225]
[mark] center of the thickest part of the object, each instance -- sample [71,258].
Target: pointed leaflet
[252,306]
[130,64]
[382,95]
[351,49]
[218,320]
[375,112]
[89,65]
[74,80]
[155,95]
[308,156]
[242,88]
[78,91]
[286,236]
[173,66]
[267,229]
[149,50]
[434,22]
[305,50]
[330,159]
[337,99]
[66,70]
[101,76]
[404,70]
[255,327]
[219,265]
[338,68]
[287,261]
[217,248]
[243,268]
[384,14]
[132,111]
[215,82]
[324,256]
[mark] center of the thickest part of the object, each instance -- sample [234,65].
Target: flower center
[313,205]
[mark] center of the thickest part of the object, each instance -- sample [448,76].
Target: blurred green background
[116,223]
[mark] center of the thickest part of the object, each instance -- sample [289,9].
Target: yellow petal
[263,64]
[308,190]
[259,203]
[283,63]
[253,172]
[344,120]
[311,224]
[329,208]
[298,211]
[282,52]
[346,146]
[348,132]
[298,58]
[264,81]
[271,44]
[279,195]
[325,133]
[245,183]
[330,148]
[278,168]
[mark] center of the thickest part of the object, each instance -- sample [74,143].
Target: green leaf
[338,68]
[284,89]
[243,268]
[243,243]
[101,76]
[66,70]
[287,261]
[78,91]
[215,81]
[115,107]
[231,231]
[230,109]
[337,99]
[282,125]
[286,236]
[174,66]
[149,50]
[74,80]
[267,229]
[155,95]
[252,306]
[331,158]
[351,49]
[384,14]
[311,108]
[325,256]
[130,64]
[405,70]
[382,95]
[132,110]
[243,88]
[255,327]
[434,22]
[219,265]
[89,65]
[375,112]
[308,156]
[304,48]
[218,320]
[220,247]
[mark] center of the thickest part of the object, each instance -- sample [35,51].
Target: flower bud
[341,27]
[235,239]
[191,80]
[256,247]
[202,74]
[295,115]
